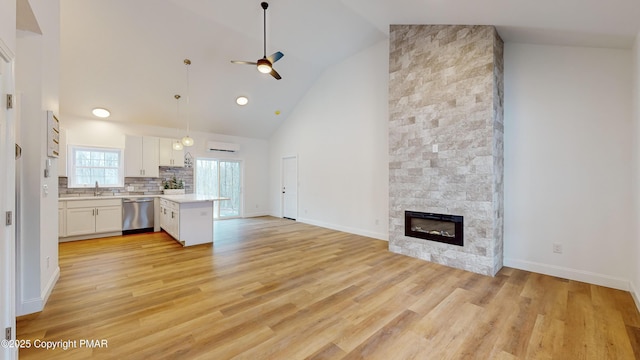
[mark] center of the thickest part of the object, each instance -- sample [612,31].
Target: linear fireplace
[435,227]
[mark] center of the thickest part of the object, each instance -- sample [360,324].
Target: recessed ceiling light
[101,112]
[242,100]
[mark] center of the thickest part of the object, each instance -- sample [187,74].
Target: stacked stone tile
[446,89]
[141,186]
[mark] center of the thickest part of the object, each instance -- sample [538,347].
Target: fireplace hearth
[435,227]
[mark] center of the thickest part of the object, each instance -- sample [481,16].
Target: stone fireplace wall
[446,89]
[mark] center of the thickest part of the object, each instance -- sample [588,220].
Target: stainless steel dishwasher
[137,215]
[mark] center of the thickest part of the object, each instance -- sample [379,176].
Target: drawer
[169,204]
[93,203]
[173,205]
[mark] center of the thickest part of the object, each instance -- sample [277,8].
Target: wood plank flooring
[277,289]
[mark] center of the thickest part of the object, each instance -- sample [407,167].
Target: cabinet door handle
[172,214]
[93,212]
[97,212]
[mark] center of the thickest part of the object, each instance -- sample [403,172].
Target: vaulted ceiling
[127,55]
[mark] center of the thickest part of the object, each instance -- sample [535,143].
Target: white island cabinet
[188,218]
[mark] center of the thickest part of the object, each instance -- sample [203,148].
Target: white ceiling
[127,55]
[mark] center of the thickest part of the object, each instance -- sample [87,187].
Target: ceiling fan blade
[275,57]
[244,62]
[275,74]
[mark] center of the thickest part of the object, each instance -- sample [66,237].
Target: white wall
[254,153]
[339,133]
[8,26]
[37,82]
[568,146]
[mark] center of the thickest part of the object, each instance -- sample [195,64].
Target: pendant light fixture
[187,141]
[177,145]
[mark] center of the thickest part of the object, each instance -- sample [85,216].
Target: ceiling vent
[220,146]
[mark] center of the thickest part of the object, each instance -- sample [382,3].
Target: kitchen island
[188,218]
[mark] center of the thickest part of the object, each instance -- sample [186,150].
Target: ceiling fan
[265,65]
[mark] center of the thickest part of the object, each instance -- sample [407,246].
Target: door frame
[282,181]
[7,200]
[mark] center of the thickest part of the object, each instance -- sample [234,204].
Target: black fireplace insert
[435,227]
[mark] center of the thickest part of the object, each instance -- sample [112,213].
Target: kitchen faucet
[95,192]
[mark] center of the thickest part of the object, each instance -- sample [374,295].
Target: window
[89,164]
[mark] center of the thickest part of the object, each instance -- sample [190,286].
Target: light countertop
[191,198]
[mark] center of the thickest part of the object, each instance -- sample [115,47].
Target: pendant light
[187,141]
[177,145]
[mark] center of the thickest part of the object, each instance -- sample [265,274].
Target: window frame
[71,166]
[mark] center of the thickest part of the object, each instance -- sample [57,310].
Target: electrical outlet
[557,248]
[48,262]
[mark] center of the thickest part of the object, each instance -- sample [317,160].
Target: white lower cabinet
[109,218]
[87,217]
[62,224]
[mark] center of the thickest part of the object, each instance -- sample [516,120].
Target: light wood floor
[277,289]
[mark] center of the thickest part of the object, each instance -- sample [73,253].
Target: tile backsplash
[142,186]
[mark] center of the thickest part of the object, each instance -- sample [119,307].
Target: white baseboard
[255,214]
[367,233]
[571,274]
[634,294]
[90,236]
[50,285]
[35,305]
[30,306]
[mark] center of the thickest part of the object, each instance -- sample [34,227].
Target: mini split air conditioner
[220,146]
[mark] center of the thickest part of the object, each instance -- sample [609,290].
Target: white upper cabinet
[169,156]
[62,158]
[141,156]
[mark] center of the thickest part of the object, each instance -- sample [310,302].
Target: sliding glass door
[220,178]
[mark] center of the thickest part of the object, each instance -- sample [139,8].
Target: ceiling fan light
[264,66]
[177,145]
[187,141]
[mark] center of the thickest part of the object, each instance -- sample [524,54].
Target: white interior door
[290,187]
[7,205]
